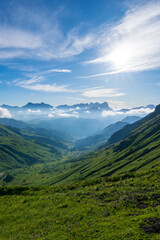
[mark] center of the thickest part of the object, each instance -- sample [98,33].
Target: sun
[122,55]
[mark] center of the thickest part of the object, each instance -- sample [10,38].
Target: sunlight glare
[122,55]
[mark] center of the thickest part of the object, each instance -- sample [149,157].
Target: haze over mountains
[101,137]
[81,110]
[80,120]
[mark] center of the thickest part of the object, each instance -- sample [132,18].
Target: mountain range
[79,120]
[82,106]
[42,105]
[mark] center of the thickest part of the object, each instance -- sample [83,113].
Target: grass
[24,147]
[105,208]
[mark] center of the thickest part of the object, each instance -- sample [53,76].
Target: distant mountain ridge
[130,119]
[41,105]
[102,112]
[87,106]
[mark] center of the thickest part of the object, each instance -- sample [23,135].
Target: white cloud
[60,70]
[132,44]
[18,38]
[116,105]
[7,54]
[87,112]
[102,92]
[64,115]
[46,88]
[4,113]
[33,81]
[45,40]
[110,113]
[51,115]
[140,112]
[33,111]
[67,115]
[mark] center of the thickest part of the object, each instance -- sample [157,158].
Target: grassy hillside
[13,123]
[125,208]
[23,147]
[139,151]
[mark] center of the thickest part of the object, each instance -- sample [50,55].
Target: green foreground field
[110,208]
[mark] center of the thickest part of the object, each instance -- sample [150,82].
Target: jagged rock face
[37,105]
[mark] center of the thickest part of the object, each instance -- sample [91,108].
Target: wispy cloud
[60,70]
[100,74]
[39,35]
[45,87]
[33,81]
[12,37]
[4,113]
[26,82]
[133,43]
[102,92]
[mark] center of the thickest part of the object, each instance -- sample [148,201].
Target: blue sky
[75,51]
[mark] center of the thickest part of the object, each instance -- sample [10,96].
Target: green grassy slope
[126,208]
[13,123]
[139,151]
[22,147]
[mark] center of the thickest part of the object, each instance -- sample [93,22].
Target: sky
[72,51]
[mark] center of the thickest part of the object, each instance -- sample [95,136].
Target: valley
[58,186]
